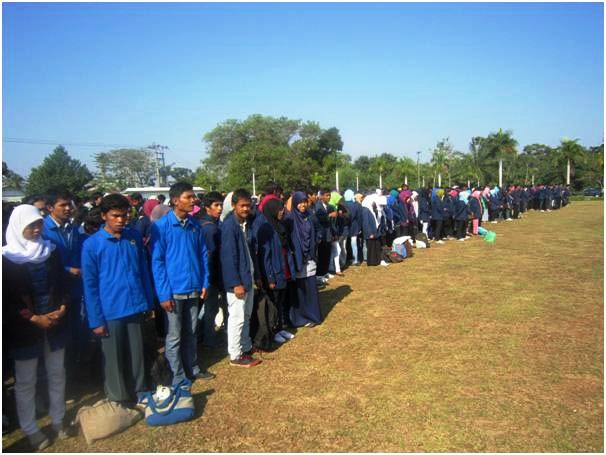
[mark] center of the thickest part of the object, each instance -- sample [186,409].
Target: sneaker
[245,362]
[461,240]
[508,219]
[38,440]
[204,375]
[355,264]
[467,237]
[439,242]
[279,338]
[328,276]
[287,335]
[310,324]
[494,222]
[384,264]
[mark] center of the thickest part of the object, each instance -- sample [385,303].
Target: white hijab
[18,249]
[368,201]
[227,208]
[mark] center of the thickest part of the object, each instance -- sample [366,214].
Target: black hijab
[271,208]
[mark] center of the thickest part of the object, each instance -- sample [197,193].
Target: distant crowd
[207,268]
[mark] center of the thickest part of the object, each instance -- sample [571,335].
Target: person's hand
[57,314]
[332,215]
[371,237]
[259,284]
[168,305]
[239,291]
[272,286]
[100,331]
[43,321]
[74,271]
[203,294]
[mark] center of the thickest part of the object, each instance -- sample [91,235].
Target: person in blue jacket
[355,225]
[424,210]
[305,310]
[240,273]
[371,228]
[180,271]
[59,229]
[209,221]
[276,262]
[437,214]
[117,291]
[461,215]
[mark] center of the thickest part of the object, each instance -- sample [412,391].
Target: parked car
[593,192]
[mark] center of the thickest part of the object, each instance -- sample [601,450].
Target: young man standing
[117,290]
[239,274]
[180,270]
[59,229]
[213,205]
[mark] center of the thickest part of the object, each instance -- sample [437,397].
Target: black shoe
[205,375]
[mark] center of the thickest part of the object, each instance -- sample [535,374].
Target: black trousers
[460,227]
[436,226]
[323,258]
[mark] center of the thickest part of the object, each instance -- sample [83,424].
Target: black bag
[423,238]
[264,321]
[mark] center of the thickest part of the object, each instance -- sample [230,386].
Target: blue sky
[392,78]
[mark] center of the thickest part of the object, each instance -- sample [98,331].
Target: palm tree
[441,157]
[572,152]
[501,145]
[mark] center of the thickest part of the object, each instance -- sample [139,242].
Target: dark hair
[114,201]
[212,197]
[35,198]
[93,220]
[240,194]
[161,198]
[177,189]
[95,195]
[52,199]
[136,197]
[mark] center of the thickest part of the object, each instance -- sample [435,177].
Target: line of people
[187,261]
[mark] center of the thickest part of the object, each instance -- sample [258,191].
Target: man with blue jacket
[180,270]
[117,290]
[239,275]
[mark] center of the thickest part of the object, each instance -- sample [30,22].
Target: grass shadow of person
[330,297]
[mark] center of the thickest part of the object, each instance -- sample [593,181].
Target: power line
[20,140]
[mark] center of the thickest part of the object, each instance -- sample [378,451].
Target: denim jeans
[180,345]
[25,388]
[354,249]
[238,324]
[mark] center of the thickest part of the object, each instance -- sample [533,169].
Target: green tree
[123,168]
[440,159]
[11,179]
[500,145]
[572,152]
[58,171]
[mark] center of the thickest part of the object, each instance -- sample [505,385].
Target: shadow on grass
[330,297]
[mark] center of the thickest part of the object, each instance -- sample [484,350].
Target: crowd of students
[98,269]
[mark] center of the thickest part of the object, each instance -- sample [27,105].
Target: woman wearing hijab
[437,214]
[276,261]
[306,310]
[424,210]
[371,229]
[34,305]
[475,207]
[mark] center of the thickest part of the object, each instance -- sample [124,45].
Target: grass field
[464,347]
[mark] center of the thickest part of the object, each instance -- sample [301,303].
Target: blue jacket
[325,232]
[116,277]
[475,208]
[448,207]
[424,209]
[369,226]
[461,210]
[69,250]
[355,218]
[236,267]
[295,241]
[212,238]
[270,258]
[179,257]
[437,209]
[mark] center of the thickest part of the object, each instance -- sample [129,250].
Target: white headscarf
[368,201]
[18,249]
[227,208]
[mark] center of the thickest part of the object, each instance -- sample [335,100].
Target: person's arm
[91,281]
[159,271]
[204,260]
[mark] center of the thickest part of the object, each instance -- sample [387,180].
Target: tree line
[295,152]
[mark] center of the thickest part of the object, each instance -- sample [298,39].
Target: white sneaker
[494,222]
[328,276]
[383,263]
[461,240]
[440,242]
[508,219]
[287,335]
[279,338]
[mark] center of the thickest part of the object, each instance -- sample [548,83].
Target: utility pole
[418,169]
[159,160]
